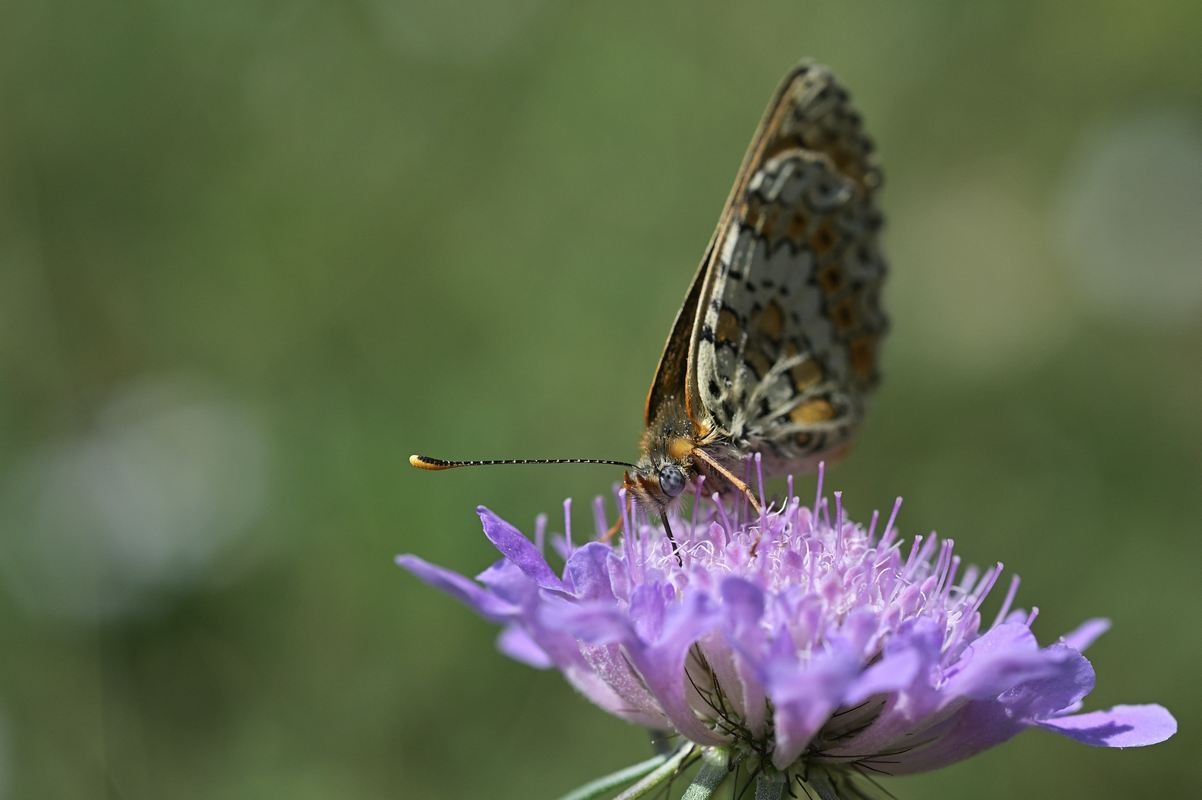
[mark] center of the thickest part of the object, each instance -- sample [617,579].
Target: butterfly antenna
[438,464]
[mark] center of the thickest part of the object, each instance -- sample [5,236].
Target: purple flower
[800,639]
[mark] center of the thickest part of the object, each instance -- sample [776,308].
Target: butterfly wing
[787,322]
[669,382]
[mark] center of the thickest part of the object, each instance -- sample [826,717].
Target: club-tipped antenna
[438,464]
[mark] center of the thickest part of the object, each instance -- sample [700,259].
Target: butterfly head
[656,485]
[665,468]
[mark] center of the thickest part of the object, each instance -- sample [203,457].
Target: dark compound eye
[671,479]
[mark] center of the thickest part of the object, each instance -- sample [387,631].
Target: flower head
[814,644]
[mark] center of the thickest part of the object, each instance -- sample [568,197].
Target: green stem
[712,774]
[608,783]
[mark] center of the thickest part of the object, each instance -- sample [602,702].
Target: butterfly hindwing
[783,347]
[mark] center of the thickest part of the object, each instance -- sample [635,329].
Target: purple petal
[1121,726]
[507,581]
[1086,634]
[595,623]
[804,699]
[743,605]
[997,661]
[517,644]
[911,708]
[621,691]
[587,572]
[743,602]
[459,587]
[973,728]
[662,665]
[891,674]
[648,608]
[858,628]
[1043,697]
[518,549]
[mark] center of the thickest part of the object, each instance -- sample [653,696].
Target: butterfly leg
[608,536]
[730,477]
[629,511]
[614,529]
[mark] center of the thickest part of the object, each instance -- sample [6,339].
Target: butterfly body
[670,457]
[774,350]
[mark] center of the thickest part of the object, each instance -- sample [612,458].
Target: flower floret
[797,636]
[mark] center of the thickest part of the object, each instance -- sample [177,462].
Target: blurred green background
[253,254]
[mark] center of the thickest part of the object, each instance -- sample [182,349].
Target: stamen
[908,569]
[631,537]
[759,468]
[540,532]
[1005,609]
[717,499]
[987,581]
[742,510]
[839,528]
[951,579]
[818,491]
[696,501]
[890,532]
[928,548]
[567,522]
[940,571]
[599,519]
[967,581]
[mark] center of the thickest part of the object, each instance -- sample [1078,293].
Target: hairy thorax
[675,449]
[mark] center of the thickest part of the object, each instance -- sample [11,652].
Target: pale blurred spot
[972,288]
[100,526]
[453,31]
[1129,219]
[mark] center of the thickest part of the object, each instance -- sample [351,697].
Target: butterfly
[775,349]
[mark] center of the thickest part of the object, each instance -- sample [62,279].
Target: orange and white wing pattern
[785,340]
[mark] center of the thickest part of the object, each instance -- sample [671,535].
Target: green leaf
[653,771]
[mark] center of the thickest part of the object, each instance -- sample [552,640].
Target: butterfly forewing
[784,319]
[669,381]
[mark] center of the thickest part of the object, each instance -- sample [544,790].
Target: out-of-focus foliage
[254,254]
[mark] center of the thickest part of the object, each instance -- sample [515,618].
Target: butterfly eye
[671,480]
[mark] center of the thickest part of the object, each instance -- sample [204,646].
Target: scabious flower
[797,643]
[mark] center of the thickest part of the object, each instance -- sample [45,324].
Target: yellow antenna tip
[434,464]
